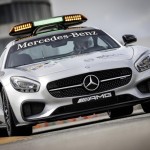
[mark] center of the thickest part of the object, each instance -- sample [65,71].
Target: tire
[120,112]
[3,132]
[12,130]
[146,107]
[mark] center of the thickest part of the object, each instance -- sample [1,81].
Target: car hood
[78,61]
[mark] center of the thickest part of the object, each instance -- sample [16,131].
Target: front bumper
[88,108]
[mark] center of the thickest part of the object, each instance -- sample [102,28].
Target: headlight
[25,85]
[144,64]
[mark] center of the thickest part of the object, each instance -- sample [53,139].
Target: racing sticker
[56,38]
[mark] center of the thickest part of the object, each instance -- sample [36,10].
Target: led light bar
[48,21]
[64,21]
[21,29]
[73,18]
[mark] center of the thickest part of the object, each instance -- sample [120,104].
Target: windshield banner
[55,38]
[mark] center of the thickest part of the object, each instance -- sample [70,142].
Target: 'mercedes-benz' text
[55,38]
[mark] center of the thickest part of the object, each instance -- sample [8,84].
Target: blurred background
[116,17]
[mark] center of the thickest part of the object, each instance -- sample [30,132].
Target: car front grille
[73,86]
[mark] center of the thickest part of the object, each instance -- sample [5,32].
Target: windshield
[59,46]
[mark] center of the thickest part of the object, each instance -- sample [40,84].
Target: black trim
[14,117]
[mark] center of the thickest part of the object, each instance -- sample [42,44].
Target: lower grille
[32,108]
[66,87]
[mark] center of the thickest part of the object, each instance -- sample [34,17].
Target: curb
[59,122]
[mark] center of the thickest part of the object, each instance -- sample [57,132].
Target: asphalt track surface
[101,133]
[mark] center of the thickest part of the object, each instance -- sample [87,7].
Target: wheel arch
[13,114]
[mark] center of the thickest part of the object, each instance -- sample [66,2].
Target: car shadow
[86,123]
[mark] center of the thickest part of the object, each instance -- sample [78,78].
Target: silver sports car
[56,70]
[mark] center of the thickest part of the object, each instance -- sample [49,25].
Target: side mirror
[129,39]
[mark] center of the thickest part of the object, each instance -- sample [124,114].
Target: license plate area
[94,98]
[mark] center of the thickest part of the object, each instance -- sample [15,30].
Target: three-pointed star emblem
[91,82]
